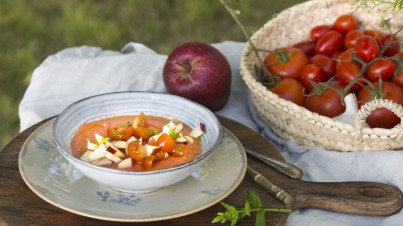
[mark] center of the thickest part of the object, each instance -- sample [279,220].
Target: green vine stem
[234,13]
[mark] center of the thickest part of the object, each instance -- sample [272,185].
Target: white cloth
[79,72]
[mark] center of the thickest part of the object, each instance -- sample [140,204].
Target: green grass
[30,30]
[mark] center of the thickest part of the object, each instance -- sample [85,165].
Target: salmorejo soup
[137,142]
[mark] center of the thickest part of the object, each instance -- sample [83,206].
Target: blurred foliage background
[31,30]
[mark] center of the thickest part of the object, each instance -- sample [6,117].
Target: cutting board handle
[362,198]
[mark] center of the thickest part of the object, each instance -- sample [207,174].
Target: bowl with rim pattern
[133,103]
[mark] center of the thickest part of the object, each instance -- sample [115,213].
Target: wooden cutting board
[20,206]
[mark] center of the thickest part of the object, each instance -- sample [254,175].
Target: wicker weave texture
[296,123]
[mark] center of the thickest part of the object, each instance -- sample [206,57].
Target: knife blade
[282,166]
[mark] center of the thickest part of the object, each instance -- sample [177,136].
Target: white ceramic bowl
[133,103]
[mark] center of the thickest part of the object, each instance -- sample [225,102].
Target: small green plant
[253,204]
[382,6]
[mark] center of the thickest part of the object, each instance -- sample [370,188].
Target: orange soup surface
[137,142]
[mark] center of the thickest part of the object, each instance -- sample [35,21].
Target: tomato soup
[137,142]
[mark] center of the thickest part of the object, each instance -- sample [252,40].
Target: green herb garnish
[154,132]
[127,124]
[252,204]
[173,134]
[103,140]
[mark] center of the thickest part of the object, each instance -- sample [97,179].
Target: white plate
[53,179]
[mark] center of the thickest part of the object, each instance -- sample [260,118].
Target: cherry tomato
[291,90]
[392,46]
[346,71]
[367,48]
[351,38]
[325,63]
[345,23]
[318,31]
[311,72]
[381,69]
[328,103]
[147,163]
[337,54]
[377,35]
[120,132]
[382,117]
[329,43]
[347,55]
[179,151]
[398,78]
[166,142]
[159,155]
[277,62]
[135,151]
[141,121]
[143,133]
[140,126]
[308,47]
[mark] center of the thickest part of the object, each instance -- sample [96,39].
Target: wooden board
[20,206]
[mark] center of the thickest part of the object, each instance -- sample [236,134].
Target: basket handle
[369,107]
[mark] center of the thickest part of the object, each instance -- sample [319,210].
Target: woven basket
[296,123]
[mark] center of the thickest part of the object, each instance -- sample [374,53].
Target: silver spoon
[282,166]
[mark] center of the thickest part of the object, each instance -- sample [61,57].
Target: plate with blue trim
[53,179]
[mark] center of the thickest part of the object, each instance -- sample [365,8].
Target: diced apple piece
[197,131]
[181,138]
[113,157]
[91,146]
[115,151]
[98,153]
[99,138]
[149,149]
[126,163]
[171,125]
[189,139]
[120,144]
[85,156]
[178,127]
[165,129]
[102,161]
[131,139]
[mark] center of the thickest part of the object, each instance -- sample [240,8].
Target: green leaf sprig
[382,6]
[253,204]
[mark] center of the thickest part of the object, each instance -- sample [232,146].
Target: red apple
[199,72]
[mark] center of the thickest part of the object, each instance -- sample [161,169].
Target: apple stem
[187,67]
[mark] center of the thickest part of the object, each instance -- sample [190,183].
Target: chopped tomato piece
[166,142]
[148,162]
[120,133]
[140,121]
[144,133]
[159,155]
[135,151]
[179,151]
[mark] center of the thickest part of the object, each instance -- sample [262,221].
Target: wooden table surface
[20,206]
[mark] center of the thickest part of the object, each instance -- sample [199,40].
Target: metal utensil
[273,189]
[282,166]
